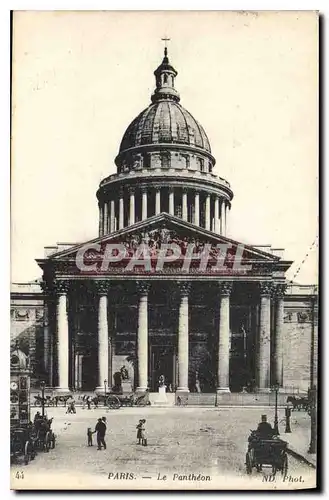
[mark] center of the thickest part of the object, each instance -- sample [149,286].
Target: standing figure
[90,436]
[141,432]
[100,429]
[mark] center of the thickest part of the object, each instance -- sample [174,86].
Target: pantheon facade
[163,290]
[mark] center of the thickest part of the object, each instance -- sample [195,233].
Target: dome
[165,121]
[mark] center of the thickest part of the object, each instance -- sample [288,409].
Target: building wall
[300,328]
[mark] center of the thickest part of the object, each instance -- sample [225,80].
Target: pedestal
[126,386]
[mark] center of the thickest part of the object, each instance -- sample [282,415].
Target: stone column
[221,222]
[279,327]
[223,373]
[101,218]
[142,335]
[112,218]
[207,212]
[184,204]
[121,210]
[144,203]
[197,208]
[62,288]
[102,288]
[216,214]
[132,206]
[183,341]
[157,201]
[105,220]
[171,202]
[264,347]
[46,329]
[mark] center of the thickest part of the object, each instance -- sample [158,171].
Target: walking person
[141,432]
[100,429]
[88,402]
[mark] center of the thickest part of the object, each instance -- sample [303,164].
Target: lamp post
[42,386]
[105,383]
[312,400]
[276,421]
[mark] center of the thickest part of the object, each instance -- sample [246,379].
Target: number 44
[19,474]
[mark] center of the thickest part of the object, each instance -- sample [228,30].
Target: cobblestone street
[206,441]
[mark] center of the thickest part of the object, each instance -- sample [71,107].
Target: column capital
[184,288]
[143,287]
[121,192]
[61,287]
[266,288]
[46,287]
[185,190]
[143,188]
[131,190]
[279,290]
[225,287]
[102,287]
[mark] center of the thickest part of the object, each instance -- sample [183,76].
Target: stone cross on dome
[165,40]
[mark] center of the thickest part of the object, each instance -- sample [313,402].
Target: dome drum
[165,158]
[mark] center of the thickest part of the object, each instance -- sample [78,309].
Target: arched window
[165,78]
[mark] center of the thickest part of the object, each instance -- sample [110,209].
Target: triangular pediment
[166,229]
[162,243]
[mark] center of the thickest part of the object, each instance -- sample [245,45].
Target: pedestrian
[90,436]
[88,402]
[100,429]
[141,432]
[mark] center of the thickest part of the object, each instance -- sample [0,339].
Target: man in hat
[264,429]
[101,430]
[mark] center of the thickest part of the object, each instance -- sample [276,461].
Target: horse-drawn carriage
[52,400]
[114,401]
[43,436]
[21,445]
[266,452]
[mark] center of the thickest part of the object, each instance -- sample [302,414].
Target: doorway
[163,361]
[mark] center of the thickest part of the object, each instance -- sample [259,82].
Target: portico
[223,328]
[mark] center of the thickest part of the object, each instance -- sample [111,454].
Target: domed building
[164,165]
[163,294]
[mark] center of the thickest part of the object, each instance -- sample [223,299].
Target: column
[112,217]
[216,214]
[103,342]
[144,203]
[223,373]
[131,206]
[221,222]
[264,347]
[171,201]
[101,218]
[224,218]
[62,288]
[184,204]
[227,209]
[279,326]
[207,214]
[121,212]
[142,335]
[46,336]
[157,201]
[197,208]
[183,344]
[105,220]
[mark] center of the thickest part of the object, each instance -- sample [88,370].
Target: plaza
[181,442]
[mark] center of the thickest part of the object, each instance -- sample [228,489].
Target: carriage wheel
[53,442]
[248,462]
[113,402]
[284,469]
[27,452]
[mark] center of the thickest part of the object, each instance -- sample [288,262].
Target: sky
[80,78]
